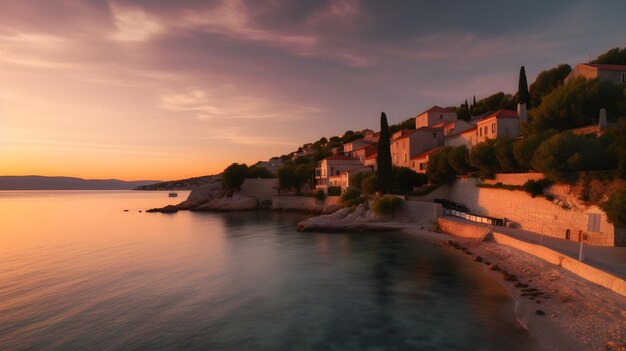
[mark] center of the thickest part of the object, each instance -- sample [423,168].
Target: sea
[91,270]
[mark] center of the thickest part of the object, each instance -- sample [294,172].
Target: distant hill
[181,184]
[67,183]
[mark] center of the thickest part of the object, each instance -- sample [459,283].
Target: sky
[173,89]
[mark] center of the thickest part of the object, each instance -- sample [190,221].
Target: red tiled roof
[422,155]
[605,67]
[436,109]
[500,114]
[373,156]
[463,132]
[340,157]
[428,129]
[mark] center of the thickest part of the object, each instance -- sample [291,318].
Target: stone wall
[581,269]
[534,214]
[260,188]
[418,212]
[303,203]
[464,230]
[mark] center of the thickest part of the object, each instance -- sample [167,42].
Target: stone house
[498,124]
[419,162]
[409,143]
[433,116]
[614,73]
[363,152]
[332,166]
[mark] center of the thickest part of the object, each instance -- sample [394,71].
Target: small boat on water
[172,194]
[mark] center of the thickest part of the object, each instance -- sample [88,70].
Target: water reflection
[76,272]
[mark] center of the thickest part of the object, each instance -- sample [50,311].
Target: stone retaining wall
[260,188]
[303,203]
[514,178]
[581,269]
[464,230]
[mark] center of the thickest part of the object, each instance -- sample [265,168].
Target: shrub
[524,149]
[439,170]
[259,172]
[350,194]
[615,208]
[405,179]
[386,205]
[334,190]
[320,195]
[505,156]
[459,159]
[483,156]
[357,179]
[369,185]
[535,188]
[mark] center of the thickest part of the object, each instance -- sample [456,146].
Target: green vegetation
[387,205]
[483,156]
[547,81]
[405,179]
[350,194]
[523,96]
[615,56]
[383,158]
[577,103]
[334,190]
[495,102]
[535,188]
[259,172]
[234,175]
[292,176]
[320,195]
[499,185]
[439,170]
[615,208]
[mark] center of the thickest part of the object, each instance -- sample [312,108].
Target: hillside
[67,183]
[181,184]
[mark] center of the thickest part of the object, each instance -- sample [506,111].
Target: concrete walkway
[609,259]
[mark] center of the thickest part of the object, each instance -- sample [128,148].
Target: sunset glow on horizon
[167,90]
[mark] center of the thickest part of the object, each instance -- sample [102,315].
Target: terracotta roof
[436,109]
[340,157]
[500,114]
[373,156]
[428,129]
[463,132]
[605,67]
[405,133]
[422,155]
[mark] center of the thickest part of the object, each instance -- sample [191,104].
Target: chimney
[521,113]
[602,120]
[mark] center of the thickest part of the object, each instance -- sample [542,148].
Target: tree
[577,103]
[615,208]
[464,113]
[383,158]
[459,159]
[234,175]
[564,154]
[483,156]
[524,149]
[439,170]
[547,81]
[285,177]
[494,102]
[615,56]
[259,172]
[405,179]
[522,88]
[387,205]
[505,156]
[302,175]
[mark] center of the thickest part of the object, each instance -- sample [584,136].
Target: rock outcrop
[211,197]
[237,202]
[361,219]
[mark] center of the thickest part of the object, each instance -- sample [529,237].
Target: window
[493,127]
[624,78]
[481,131]
[404,157]
[486,130]
[434,135]
[412,164]
[440,116]
[422,166]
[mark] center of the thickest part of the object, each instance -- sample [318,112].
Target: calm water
[78,273]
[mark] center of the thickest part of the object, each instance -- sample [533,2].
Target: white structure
[332,166]
[522,113]
[498,124]
[433,116]
[468,137]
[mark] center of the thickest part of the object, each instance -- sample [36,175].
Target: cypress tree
[522,89]
[383,159]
